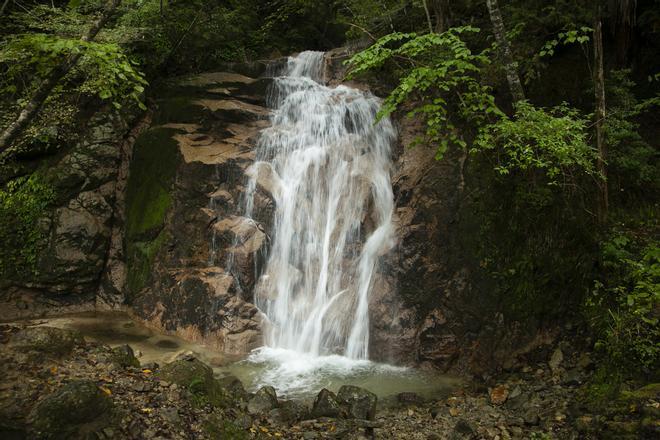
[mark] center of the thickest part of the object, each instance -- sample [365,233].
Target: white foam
[293,373]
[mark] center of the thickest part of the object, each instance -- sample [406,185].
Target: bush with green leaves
[634,164]
[441,75]
[625,304]
[104,70]
[551,142]
[23,202]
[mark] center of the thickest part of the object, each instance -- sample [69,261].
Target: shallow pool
[293,374]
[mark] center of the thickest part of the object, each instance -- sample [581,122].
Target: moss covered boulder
[124,357]
[197,377]
[263,401]
[361,403]
[186,372]
[48,340]
[74,411]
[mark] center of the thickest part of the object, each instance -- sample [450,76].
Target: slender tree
[515,86]
[34,105]
[599,87]
[624,17]
[428,16]
[441,13]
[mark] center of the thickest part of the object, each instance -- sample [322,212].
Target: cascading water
[326,164]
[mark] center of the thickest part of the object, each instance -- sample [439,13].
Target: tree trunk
[44,90]
[441,13]
[599,87]
[428,16]
[510,68]
[624,21]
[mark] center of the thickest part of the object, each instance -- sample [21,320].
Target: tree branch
[31,110]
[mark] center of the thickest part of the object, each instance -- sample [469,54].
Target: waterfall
[326,164]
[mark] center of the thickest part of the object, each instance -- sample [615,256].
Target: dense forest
[550,109]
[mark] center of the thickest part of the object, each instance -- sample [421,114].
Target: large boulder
[124,356]
[75,409]
[189,373]
[327,404]
[361,404]
[263,401]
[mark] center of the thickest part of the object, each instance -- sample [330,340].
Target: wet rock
[327,404]
[289,411]
[69,409]
[555,360]
[198,378]
[360,402]
[187,372]
[125,357]
[171,415]
[531,417]
[517,399]
[573,378]
[464,427]
[233,387]
[263,401]
[46,340]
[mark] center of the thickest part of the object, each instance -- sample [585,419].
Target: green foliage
[443,77]
[552,142]
[104,68]
[580,36]
[23,202]
[629,293]
[532,66]
[633,162]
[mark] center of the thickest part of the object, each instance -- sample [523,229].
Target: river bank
[56,384]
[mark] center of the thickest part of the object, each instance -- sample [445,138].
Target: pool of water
[299,375]
[294,375]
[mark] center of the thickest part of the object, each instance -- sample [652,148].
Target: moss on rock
[152,172]
[125,357]
[198,378]
[148,200]
[75,409]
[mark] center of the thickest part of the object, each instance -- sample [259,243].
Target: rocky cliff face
[77,226]
[191,256]
[428,310]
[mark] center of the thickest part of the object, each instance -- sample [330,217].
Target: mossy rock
[124,357]
[48,340]
[263,401]
[628,430]
[220,428]
[186,372]
[148,201]
[74,410]
[233,387]
[650,391]
[197,377]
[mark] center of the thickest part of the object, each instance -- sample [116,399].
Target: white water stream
[327,165]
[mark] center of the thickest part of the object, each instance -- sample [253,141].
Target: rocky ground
[55,385]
